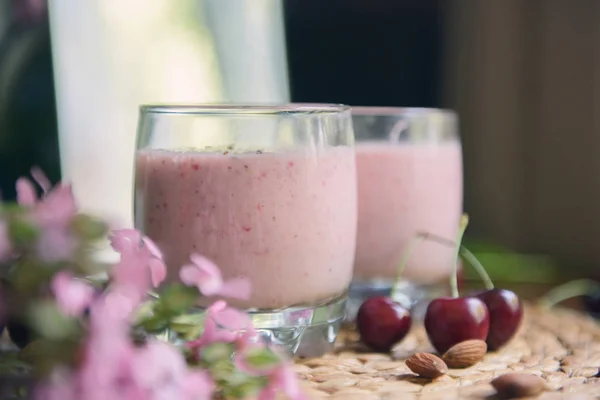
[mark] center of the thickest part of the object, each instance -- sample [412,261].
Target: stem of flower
[467,255]
[464,221]
[565,291]
[410,249]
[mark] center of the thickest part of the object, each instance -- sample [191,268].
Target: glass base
[302,331]
[413,296]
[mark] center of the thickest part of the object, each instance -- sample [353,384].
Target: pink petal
[41,179]
[114,307]
[233,319]
[155,362]
[125,239]
[190,275]
[207,283]
[216,307]
[57,207]
[286,379]
[198,385]
[152,247]
[268,393]
[205,265]
[55,244]
[72,296]
[158,271]
[26,195]
[212,334]
[236,288]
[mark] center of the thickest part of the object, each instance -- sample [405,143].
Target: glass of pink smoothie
[410,179]
[267,193]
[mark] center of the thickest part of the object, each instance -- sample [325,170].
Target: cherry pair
[493,315]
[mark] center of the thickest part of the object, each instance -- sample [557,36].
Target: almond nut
[427,365]
[515,385]
[465,354]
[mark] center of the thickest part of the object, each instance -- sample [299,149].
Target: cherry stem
[568,290]
[410,249]
[464,221]
[467,255]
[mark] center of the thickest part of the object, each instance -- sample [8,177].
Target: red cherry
[449,321]
[506,312]
[382,323]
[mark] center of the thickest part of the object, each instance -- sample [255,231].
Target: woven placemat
[560,345]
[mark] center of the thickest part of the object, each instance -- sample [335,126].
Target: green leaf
[244,390]
[44,355]
[177,299]
[222,370]
[187,331]
[28,275]
[143,312]
[10,362]
[50,323]
[88,227]
[154,324]
[262,358]
[215,352]
[22,232]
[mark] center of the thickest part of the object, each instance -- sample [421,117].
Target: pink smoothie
[402,189]
[286,221]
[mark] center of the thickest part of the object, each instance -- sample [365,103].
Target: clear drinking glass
[266,192]
[409,169]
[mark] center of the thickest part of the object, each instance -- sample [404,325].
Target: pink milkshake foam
[286,221]
[402,189]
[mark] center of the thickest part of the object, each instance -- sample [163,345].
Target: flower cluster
[87,340]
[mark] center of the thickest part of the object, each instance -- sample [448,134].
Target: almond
[514,385]
[465,354]
[427,365]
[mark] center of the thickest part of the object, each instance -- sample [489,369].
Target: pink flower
[57,207]
[106,371]
[223,324]
[55,244]
[204,274]
[52,214]
[161,370]
[140,267]
[282,379]
[41,179]
[72,295]
[212,332]
[26,194]
[61,385]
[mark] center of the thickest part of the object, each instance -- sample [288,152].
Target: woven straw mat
[560,345]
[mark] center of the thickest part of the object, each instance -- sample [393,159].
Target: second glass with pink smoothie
[410,180]
[269,195]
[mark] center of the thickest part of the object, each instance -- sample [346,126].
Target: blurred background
[523,75]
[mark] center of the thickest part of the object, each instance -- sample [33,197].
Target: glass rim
[255,110]
[401,111]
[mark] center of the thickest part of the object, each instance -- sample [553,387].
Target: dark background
[338,51]
[358,52]
[522,75]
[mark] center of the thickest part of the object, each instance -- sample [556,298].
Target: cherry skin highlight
[382,323]
[449,321]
